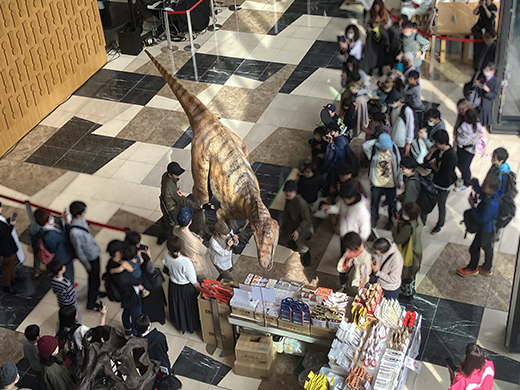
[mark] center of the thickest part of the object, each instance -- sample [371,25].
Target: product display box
[292,327]
[256,370]
[269,320]
[208,328]
[323,332]
[239,311]
[254,349]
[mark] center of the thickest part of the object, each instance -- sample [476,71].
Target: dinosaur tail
[192,106]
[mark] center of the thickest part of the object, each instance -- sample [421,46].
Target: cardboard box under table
[292,327]
[208,327]
[254,356]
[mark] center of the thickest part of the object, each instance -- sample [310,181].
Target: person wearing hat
[9,377]
[192,246]
[221,249]
[55,373]
[172,200]
[331,119]
[297,227]
[402,121]
[120,273]
[384,174]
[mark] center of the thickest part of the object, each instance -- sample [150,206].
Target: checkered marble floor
[266,74]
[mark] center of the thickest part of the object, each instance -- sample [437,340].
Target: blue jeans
[377,192]
[129,315]
[391,294]
[69,271]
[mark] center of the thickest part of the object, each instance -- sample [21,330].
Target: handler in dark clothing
[172,200]
[8,249]
[490,86]
[157,344]
[297,226]
[488,52]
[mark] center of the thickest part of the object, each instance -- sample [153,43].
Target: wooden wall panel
[48,49]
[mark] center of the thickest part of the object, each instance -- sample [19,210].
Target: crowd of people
[410,163]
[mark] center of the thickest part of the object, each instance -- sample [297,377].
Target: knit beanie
[47,345]
[8,374]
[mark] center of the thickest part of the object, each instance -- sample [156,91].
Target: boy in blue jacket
[485,214]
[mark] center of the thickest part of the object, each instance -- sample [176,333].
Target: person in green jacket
[55,372]
[172,200]
[410,225]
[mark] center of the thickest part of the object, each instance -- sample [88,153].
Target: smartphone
[15,215]
[143,248]
[101,303]
[450,364]
[341,38]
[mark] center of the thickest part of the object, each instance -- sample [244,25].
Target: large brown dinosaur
[220,168]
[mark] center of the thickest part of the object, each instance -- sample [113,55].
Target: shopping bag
[407,252]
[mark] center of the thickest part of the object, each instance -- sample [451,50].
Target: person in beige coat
[192,246]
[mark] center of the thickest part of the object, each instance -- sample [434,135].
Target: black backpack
[112,292]
[428,195]
[472,226]
[506,212]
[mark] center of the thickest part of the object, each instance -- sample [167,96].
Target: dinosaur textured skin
[220,168]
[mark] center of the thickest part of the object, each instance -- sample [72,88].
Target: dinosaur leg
[200,171]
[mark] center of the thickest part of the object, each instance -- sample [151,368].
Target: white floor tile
[111,128]
[493,326]
[242,82]
[329,261]
[57,118]
[148,153]
[132,171]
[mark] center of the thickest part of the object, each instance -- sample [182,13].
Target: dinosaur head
[266,236]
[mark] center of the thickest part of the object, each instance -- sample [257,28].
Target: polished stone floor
[266,74]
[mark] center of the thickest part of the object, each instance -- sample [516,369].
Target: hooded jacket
[390,275]
[84,244]
[466,137]
[369,148]
[354,217]
[402,131]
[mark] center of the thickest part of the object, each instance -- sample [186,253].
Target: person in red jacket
[475,372]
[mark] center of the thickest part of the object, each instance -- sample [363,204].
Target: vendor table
[238,321]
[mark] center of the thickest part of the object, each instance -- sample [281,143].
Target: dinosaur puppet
[220,168]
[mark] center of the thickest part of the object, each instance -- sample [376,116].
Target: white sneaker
[460,188]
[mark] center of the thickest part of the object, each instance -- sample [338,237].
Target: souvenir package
[389,369]
[358,379]
[374,347]
[389,312]
[365,304]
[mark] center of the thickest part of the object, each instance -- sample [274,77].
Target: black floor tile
[23,366]
[115,146]
[184,140]
[80,124]
[205,60]
[96,163]
[298,76]
[188,73]
[202,368]
[138,96]
[131,78]
[319,60]
[151,83]
[65,138]
[216,76]
[75,161]
[92,143]
[28,381]
[324,48]
[252,69]
[425,305]
[229,64]
[46,155]
[89,89]
[111,92]
[441,345]
[336,62]
[458,318]
[271,69]
[506,369]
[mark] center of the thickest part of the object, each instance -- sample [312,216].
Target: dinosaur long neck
[195,110]
[256,210]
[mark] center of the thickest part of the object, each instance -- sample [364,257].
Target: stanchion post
[215,26]
[192,46]
[234,7]
[167,28]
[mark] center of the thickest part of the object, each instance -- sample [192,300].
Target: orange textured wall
[48,49]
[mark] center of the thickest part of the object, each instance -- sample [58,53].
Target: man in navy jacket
[485,214]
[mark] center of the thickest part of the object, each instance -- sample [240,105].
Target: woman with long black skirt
[377,50]
[183,288]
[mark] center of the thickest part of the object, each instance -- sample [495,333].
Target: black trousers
[93,283]
[464,164]
[484,241]
[442,197]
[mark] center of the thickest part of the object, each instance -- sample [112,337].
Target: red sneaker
[76,285]
[37,274]
[467,272]
[484,272]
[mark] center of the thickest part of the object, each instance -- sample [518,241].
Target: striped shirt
[65,291]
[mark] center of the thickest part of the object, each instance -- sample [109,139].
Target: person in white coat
[416,7]
[402,119]
[353,212]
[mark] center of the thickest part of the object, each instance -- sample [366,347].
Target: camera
[143,248]
[341,38]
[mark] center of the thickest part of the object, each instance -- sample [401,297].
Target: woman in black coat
[377,50]
[489,85]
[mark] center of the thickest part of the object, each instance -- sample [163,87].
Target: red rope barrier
[58,213]
[442,37]
[183,12]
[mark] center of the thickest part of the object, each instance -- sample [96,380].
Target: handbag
[373,278]
[480,146]
[407,251]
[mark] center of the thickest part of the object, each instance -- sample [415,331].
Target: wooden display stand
[49,49]
[457,19]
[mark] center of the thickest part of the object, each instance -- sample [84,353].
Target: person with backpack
[384,174]
[409,226]
[435,123]
[87,250]
[443,162]
[482,218]
[402,121]
[467,136]
[415,43]
[157,343]
[54,242]
[8,249]
[412,184]
[507,191]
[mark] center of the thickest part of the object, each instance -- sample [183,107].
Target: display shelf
[249,323]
